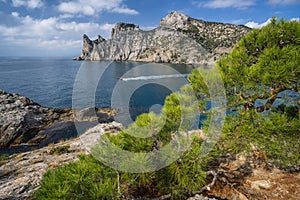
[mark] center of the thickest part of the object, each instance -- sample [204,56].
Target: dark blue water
[50,81]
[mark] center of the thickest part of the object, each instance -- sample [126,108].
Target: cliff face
[178,39]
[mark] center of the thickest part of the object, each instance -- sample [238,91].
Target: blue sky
[55,28]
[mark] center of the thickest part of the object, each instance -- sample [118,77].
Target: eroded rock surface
[25,125]
[21,118]
[20,174]
[178,39]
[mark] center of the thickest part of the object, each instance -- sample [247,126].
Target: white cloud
[92,7]
[125,11]
[296,19]
[74,8]
[15,14]
[253,24]
[28,3]
[65,16]
[283,2]
[239,4]
[51,34]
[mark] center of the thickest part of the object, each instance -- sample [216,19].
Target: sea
[131,88]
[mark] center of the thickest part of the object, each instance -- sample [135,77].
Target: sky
[55,27]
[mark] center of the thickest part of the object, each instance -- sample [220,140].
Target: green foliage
[179,179]
[276,134]
[192,29]
[185,175]
[265,58]
[152,132]
[85,179]
[262,64]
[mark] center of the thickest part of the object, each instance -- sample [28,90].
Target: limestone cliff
[178,39]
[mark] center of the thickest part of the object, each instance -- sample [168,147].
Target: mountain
[178,39]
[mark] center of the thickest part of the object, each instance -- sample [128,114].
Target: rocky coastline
[26,125]
[179,39]
[20,174]
[34,139]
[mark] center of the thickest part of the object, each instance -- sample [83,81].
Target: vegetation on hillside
[263,64]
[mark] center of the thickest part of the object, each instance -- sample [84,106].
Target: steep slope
[178,39]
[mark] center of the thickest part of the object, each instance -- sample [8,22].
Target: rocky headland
[178,39]
[26,125]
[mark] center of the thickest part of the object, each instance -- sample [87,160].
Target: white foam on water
[153,77]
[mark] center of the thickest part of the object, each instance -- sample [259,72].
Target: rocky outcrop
[20,174]
[178,39]
[21,119]
[25,124]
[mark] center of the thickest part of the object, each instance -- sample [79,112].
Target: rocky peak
[87,46]
[123,27]
[175,20]
[100,39]
[178,39]
[86,39]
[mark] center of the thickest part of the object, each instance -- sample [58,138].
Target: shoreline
[26,125]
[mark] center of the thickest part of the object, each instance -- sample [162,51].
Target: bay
[50,81]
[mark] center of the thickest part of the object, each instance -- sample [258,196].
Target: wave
[153,77]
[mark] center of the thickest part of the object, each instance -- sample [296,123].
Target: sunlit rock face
[178,39]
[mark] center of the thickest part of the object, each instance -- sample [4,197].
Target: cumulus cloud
[50,34]
[239,4]
[32,4]
[283,2]
[253,24]
[92,7]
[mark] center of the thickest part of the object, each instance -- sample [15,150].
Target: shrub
[277,135]
[85,179]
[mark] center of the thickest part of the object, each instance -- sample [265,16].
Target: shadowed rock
[25,125]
